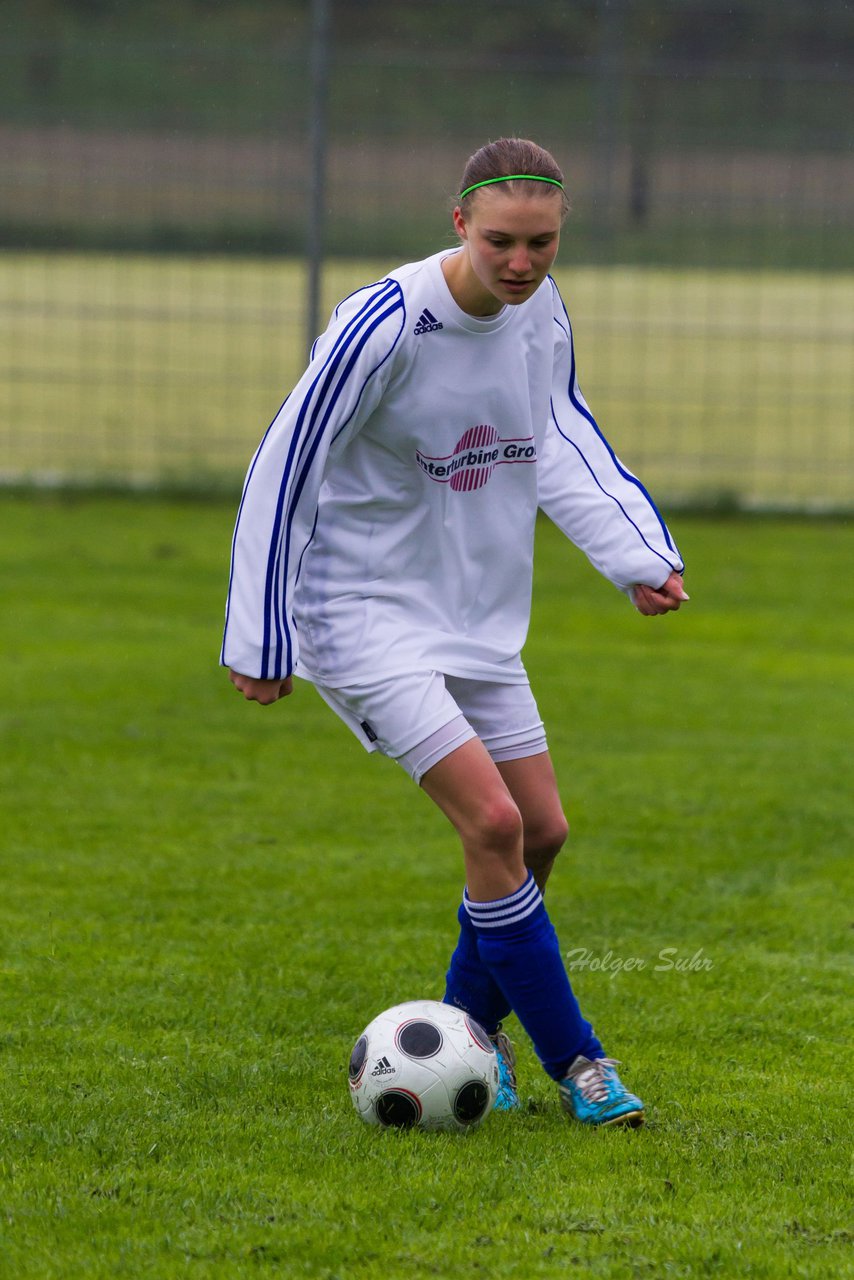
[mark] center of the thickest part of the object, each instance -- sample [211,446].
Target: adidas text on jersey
[427,323]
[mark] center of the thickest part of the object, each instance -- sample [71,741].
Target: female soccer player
[383,551]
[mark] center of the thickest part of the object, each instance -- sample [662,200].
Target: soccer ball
[423,1064]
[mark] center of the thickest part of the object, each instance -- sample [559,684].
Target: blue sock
[469,984]
[518,945]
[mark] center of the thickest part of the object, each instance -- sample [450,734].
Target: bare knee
[496,826]
[543,842]
[492,843]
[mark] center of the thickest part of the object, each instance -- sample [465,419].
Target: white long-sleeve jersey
[387,519]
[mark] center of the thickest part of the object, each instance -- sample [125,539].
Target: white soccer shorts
[417,719]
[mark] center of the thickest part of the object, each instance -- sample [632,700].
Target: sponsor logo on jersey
[427,323]
[476,455]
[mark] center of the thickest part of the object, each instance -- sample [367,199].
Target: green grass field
[204,902]
[718,387]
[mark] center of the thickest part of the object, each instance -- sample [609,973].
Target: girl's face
[509,244]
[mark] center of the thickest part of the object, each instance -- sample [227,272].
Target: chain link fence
[159,194]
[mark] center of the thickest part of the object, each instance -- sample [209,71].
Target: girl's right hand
[263,691]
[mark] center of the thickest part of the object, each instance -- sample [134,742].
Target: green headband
[511,177]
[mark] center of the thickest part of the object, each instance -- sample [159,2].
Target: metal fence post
[318,149]
[609,87]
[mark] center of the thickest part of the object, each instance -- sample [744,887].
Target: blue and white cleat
[507,1098]
[593,1093]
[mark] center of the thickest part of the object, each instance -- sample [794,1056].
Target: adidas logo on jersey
[383,1068]
[427,323]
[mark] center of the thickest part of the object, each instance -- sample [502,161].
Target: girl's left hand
[651,601]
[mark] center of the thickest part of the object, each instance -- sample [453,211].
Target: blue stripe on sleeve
[249,475]
[306,460]
[627,475]
[314,415]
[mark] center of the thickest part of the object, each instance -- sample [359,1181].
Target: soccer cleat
[507,1098]
[593,1093]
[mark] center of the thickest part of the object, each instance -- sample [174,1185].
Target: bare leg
[472,794]
[532,784]
[515,942]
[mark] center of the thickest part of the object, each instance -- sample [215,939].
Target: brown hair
[512,155]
